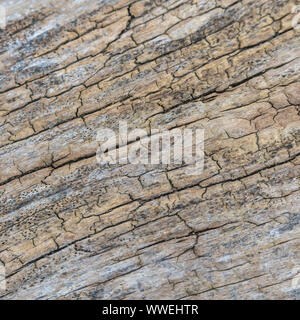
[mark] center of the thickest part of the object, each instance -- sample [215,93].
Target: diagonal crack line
[224,285]
[193,99]
[253,172]
[151,199]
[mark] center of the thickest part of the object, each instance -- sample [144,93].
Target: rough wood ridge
[70,229]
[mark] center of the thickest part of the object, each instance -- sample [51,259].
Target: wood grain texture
[70,229]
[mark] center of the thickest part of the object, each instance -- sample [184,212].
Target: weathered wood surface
[73,230]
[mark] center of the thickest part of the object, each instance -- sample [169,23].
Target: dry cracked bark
[73,230]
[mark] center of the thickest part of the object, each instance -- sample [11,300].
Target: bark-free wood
[70,229]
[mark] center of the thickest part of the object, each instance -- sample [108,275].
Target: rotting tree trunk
[71,229]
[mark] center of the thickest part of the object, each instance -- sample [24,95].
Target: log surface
[71,229]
